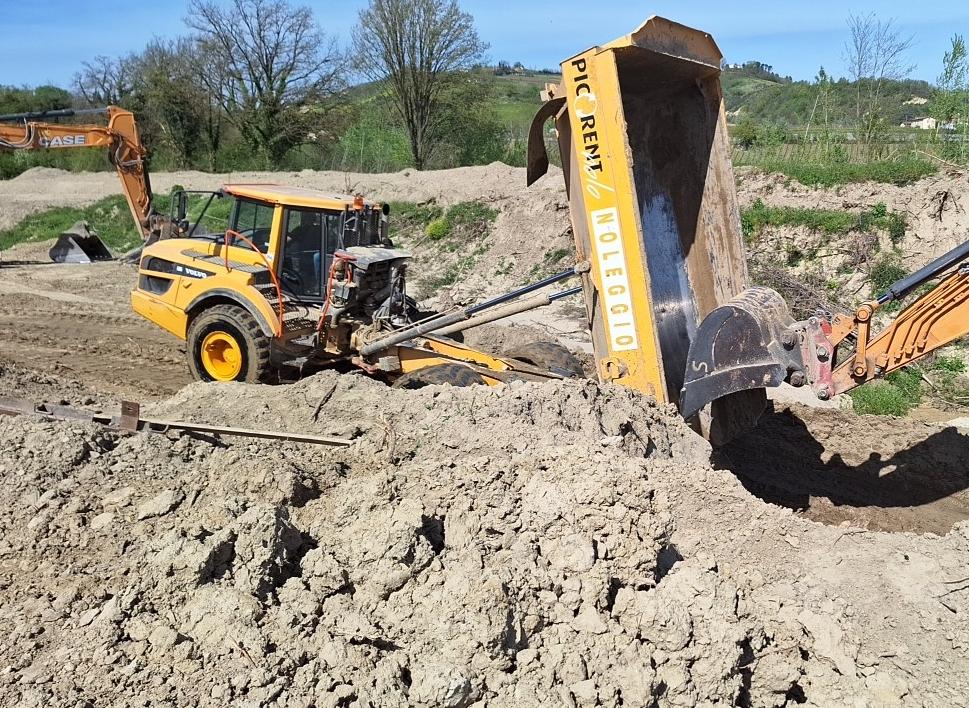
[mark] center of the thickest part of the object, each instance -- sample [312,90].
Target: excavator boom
[32,131]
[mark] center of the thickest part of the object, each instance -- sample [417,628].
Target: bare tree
[104,81]
[415,45]
[875,52]
[272,66]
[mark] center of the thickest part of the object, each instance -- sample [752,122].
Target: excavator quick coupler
[752,343]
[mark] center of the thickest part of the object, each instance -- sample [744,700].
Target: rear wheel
[453,374]
[225,343]
[547,355]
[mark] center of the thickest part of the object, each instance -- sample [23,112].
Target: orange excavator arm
[752,342]
[25,131]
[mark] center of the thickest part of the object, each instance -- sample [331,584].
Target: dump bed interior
[642,131]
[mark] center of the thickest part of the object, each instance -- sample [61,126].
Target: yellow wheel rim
[221,356]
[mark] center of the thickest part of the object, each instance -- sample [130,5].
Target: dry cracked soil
[565,544]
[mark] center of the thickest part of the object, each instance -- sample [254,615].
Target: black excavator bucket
[739,347]
[79,244]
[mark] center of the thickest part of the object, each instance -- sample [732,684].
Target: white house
[921,123]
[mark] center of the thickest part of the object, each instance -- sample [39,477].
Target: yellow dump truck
[301,277]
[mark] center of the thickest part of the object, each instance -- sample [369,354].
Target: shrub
[949,364]
[897,225]
[896,394]
[439,228]
[753,219]
[460,218]
[884,272]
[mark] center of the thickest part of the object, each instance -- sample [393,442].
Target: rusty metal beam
[130,420]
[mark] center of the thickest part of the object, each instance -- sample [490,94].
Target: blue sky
[44,42]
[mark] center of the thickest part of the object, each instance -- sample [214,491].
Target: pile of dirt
[936,208]
[563,544]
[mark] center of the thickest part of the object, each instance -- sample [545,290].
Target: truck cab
[296,271]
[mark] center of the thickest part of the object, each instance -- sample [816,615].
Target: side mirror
[181,210]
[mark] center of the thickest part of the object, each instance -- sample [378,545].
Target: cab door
[310,237]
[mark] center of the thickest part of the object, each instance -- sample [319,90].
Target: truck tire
[547,355]
[453,374]
[225,343]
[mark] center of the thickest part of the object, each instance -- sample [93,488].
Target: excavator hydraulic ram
[645,154]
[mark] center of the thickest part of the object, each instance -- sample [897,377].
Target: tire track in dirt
[76,322]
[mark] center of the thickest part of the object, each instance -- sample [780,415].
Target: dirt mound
[936,208]
[565,544]
[33,174]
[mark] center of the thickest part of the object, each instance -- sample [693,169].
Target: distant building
[921,123]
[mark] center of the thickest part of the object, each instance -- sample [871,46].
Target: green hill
[772,100]
[487,118]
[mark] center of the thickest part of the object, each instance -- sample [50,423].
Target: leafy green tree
[951,102]
[414,45]
[171,97]
[470,131]
[275,68]
[27,100]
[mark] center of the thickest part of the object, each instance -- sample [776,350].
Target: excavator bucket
[79,244]
[642,133]
[738,347]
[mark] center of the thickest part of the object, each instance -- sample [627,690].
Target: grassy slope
[109,217]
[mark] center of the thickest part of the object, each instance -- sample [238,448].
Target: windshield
[254,221]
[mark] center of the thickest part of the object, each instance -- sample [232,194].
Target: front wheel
[225,343]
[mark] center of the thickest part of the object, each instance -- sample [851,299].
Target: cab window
[254,221]
[311,237]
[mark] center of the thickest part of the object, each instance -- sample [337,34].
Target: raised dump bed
[643,139]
